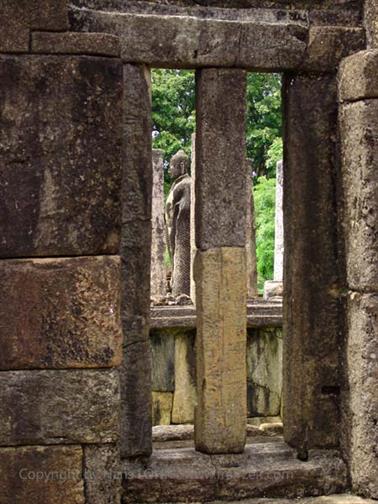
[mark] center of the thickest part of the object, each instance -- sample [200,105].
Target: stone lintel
[257,41]
[48,474]
[270,469]
[221,340]
[59,407]
[100,44]
[358,76]
[60,313]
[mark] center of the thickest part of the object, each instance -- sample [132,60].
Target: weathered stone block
[136,427]
[264,372]
[52,475]
[163,360]
[358,76]
[362,360]
[60,155]
[371,22]
[313,284]
[60,313]
[18,17]
[359,139]
[58,407]
[185,396]
[102,474]
[328,45]
[221,413]
[162,408]
[220,208]
[102,44]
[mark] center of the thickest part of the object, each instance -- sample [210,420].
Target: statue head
[179,164]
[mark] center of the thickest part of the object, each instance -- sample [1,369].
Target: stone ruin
[75,248]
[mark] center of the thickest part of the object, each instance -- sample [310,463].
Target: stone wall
[173,374]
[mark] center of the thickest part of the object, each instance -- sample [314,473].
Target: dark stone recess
[60,155]
[314,283]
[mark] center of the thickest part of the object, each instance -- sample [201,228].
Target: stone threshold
[269,469]
[260,313]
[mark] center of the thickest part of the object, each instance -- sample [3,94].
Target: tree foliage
[173,114]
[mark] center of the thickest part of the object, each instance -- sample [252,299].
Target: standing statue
[177,219]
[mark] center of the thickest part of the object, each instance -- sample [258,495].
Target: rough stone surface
[184,398]
[136,409]
[358,76]
[328,499]
[102,468]
[269,468]
[371,22]
[273,289]
[221,294]
[102,44]
[48,475]
[264,372]
[189,41]
[312,285]
[328,45]
[163,360]
[220,209]
[362,362]
[162,433]
[58,407]
[158,270]
[162,408]
[359,138]
[60,155]
[21,16]
[60,313]
[193,248]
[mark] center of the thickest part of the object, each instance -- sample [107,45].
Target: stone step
[269,469]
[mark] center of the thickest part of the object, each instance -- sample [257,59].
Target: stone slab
[100,44]
[220,157]
[60,313]
[162,408]
[371,22]
[361,412]
[326,499]
[102,474]
[221,296]
[264,372]
[18,17]
[260,313]
[163,360]
[257,39]
[313,283]
[359,146]
[48,475]
[268,469]
[136,405]
[358,76]
[60,155]
[58,407]
[185,395]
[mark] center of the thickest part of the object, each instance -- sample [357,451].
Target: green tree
[264,198]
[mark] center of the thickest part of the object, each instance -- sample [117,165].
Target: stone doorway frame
[308,56]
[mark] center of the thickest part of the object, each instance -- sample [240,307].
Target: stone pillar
[251,238]
[312,283]
[193,248]
[136,426]
[278,230]
[220,265]
[358,94]
[158,272]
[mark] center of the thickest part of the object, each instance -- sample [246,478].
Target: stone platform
[270,469]
[260,313]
